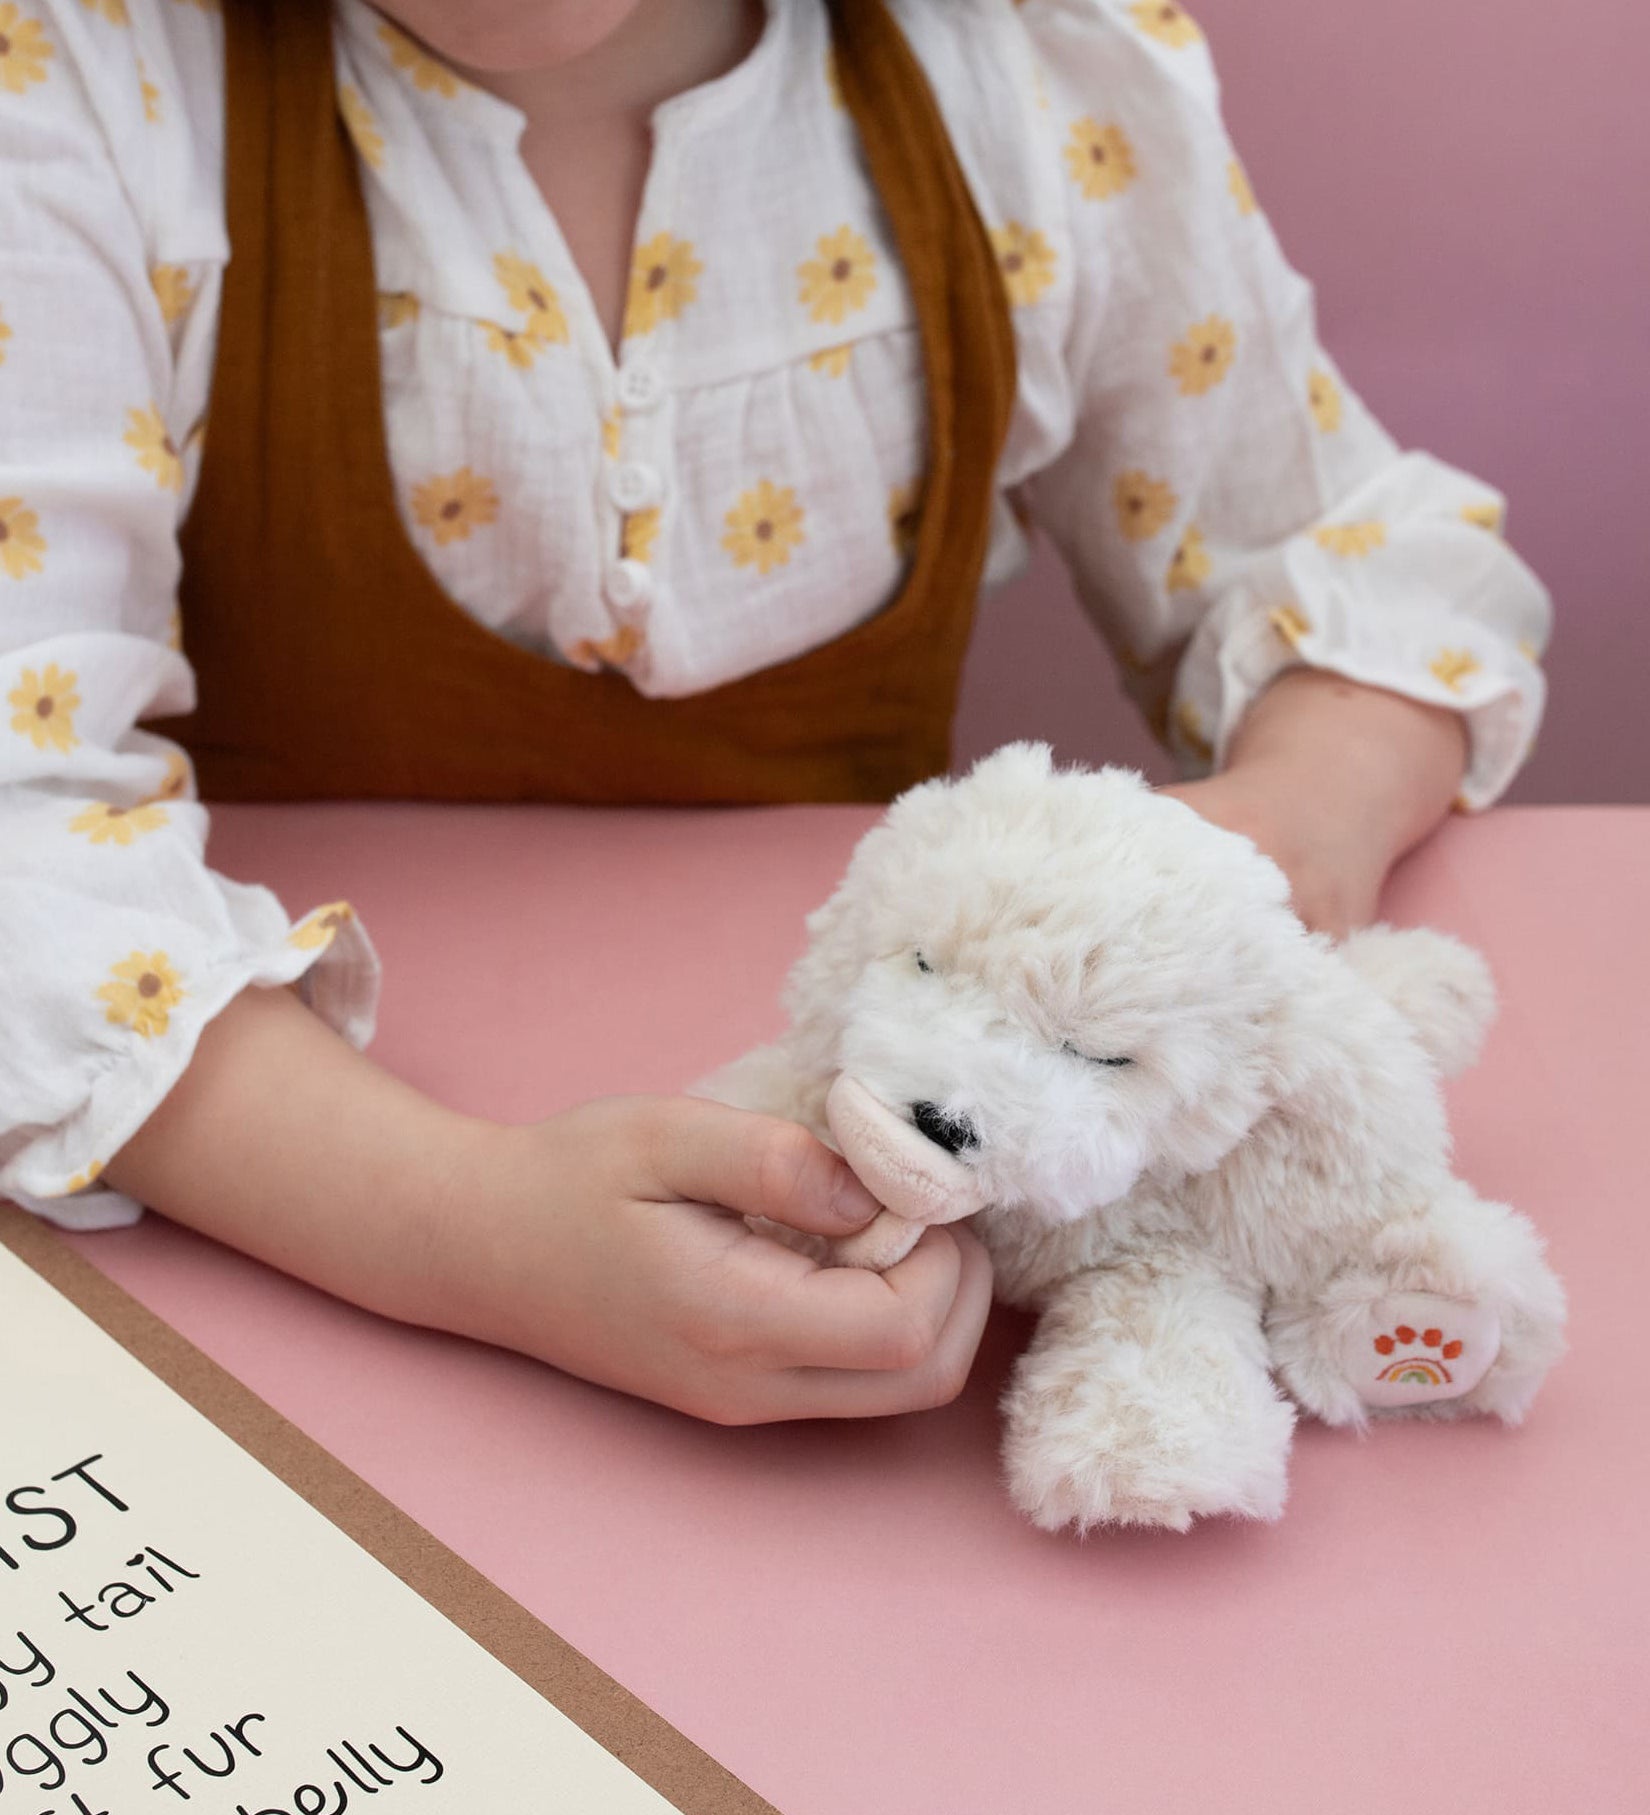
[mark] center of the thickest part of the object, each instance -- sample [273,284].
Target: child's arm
[1231,512]
[603,1240]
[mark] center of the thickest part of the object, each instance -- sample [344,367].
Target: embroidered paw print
[1414,1348]
[1423,1366]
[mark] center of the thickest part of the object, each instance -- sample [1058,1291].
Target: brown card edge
[620,1722]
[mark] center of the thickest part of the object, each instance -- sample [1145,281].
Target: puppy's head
[1060,977]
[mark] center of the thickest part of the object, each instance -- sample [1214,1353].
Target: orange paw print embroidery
[1422,1366]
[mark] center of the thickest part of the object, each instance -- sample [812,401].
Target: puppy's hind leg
[1449,1310]
[1145,1399]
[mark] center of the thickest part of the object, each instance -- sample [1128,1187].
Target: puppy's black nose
[953,1133]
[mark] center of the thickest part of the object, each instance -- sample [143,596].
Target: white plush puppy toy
[1208,1146]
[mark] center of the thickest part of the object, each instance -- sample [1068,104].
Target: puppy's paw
[1140,1452]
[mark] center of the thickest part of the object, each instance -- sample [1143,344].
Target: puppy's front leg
[1145,1399]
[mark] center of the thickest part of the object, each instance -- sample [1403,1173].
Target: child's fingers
[843,1393]
[753,1164]
[845,1317]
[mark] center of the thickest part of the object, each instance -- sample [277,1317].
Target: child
[719,345]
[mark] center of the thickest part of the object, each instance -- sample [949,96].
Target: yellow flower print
[322,927]
[396,308]
[1237,180]
[905,519]
[1026,261]
[662,283]
[1100,159]
[528,290]
[5,335]
[833,362]
[1324,395]
[639,534]
[104,824]
[141,993]
[1351,541]
[112,10]
[520,349]
[176,784]
[1528,650]
[612,435]
[146,433]
[150,94]
[1188,724]
[1145,506]
[25,51]
[453,505]
[1483,516]
[841,279]
[362,127]
[1291,623]
[426,73]
[764,527]
[82,1179]
[1191,564]
[1453,666]
[1200,361]
[1168,23]
[21,544]
[612,652]
[173,291]
[44,707]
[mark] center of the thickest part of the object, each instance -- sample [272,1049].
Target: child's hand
[609,1240]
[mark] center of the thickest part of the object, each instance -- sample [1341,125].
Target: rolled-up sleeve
[117,943]
[1228,505]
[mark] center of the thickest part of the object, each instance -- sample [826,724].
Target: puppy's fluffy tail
[1441,987]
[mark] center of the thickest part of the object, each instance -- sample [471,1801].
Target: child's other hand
[609,1241]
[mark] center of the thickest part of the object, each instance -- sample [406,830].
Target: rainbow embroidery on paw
[1413,1348]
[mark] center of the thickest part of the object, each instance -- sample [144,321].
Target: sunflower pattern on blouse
[1291,623]
[1453,666]
[1238,184]
[82,1179]
[43,704]
[530,293]
[5,335]
[149,94]
[106,824]
[173,291]
[1351,541]
[396,308]
[25,51]
[21,544]
[841,279]
[639,533]
[361,124]
[452,506]
[112,10]
[615,651]
[1323,396]
[663,282]
[1144,506]
[1166,22]
[146,434]
[1188,726]
[1483,516]
[141,993]
[1100,159]
[1026,260]
[1191,565]
[175,784]
[425,72]
[765,527]
[1200,361]
[320,928]
[832,361]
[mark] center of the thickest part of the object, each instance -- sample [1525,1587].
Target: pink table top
[1449,1618]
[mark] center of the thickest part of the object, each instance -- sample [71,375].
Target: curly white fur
[1213,1144]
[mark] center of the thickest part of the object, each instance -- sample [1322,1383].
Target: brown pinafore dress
[330,662]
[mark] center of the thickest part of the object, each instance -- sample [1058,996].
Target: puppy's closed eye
[1089,1058]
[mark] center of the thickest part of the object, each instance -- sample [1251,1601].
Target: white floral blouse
[730,490]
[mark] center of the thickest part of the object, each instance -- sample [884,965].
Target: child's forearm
[285,1142]
[1335,782]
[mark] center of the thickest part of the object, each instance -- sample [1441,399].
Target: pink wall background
[1468,184]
